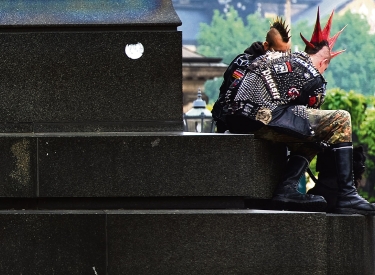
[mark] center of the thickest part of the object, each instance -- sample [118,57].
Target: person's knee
[347,118]
[342,119]
[343,131]
[345,115]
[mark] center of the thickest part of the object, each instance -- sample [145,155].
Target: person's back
[277,39]
[272,84]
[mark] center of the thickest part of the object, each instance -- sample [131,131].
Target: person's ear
[323,65]
[323,62]
[265,46]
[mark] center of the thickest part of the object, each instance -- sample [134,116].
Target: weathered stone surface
[18,167]
[185,242]
[216,242]
[52,242]
[162,242]
[90,66]
[351,242]
[84,81]
[156,165]
[143,164]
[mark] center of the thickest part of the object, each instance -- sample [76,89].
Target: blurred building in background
[196,70]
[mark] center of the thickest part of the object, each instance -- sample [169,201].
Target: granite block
[52,242]
[74,78]
[18,167]
[185,242]
[123,126]
[17,127]
[216,242]
[99,203]
[155,165]
[351,242]
[269,163]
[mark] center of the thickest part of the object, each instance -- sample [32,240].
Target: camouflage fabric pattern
[329,126]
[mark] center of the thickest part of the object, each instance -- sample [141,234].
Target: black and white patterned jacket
[276,90]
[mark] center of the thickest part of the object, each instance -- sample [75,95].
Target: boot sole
[299,206]
[352,211]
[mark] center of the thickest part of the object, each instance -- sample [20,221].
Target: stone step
[185,242]
[138,164]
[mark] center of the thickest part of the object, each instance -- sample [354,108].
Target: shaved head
[276,42]
[321,59]
[272,33]
[277,38]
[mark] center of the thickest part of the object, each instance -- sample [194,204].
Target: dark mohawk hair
[280,26]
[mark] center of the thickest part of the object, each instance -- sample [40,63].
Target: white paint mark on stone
[96,273]
[134,51]
[155,142]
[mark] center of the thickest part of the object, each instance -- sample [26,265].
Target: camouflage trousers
[330,127]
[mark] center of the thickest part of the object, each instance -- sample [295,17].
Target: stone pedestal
[97,176]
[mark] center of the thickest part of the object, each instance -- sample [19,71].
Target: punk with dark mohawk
[277,39]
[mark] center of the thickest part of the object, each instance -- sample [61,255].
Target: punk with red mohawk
[320,38]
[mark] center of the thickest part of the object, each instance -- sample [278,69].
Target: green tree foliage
[227,36]
[211,89]
[367,137]
[367,130]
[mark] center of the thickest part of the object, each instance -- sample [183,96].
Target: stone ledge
[138,165]
[185,242]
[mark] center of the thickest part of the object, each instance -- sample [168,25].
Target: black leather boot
[348,200]
[326,184]
[287,196]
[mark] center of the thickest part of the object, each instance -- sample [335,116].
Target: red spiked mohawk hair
[321,37]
